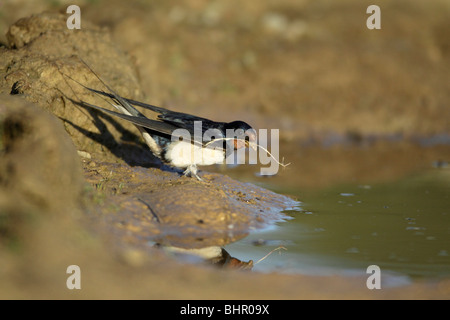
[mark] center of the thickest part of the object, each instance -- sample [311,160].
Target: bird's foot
[191,171]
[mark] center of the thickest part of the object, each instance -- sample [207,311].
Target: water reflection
[213,255]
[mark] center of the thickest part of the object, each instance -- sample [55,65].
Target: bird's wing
[178,119]
[160,127]
[154,125]
[130,101]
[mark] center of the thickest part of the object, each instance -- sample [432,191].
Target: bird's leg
[191,171]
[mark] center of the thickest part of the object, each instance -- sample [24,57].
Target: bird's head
[243,134]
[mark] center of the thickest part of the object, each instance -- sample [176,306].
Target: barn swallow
[179,139]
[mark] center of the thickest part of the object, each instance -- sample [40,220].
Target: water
[401,226]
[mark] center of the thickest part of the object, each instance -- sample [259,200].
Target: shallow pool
[401,226]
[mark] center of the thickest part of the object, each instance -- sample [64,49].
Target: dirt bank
[78,187]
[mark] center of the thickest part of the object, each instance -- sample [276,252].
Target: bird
[180,140]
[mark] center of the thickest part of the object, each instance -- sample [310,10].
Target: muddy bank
[125,206]
[39,172]
[50,80]
[46,74]
[142,205]
[100,207]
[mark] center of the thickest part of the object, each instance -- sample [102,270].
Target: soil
[79,187]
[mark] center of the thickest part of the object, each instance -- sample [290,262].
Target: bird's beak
[251,134]
[249,139]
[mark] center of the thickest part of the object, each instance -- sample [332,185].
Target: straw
[253,146]
[278,248]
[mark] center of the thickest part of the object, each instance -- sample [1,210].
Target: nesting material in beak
[248,139]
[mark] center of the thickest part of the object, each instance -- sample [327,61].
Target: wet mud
[78,187]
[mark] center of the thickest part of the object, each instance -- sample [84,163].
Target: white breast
[182,154]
